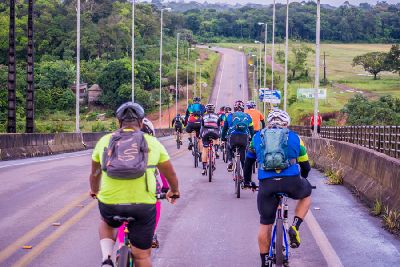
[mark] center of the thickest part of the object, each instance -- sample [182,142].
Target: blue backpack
[196,109]
[274,145]
[240,122]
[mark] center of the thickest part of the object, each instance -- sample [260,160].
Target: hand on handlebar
[172,196]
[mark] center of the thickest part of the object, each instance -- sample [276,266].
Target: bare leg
[264,238]
[204,155]
[303,205]
[106,231]
[142,257]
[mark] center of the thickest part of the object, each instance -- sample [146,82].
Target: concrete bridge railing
[370,174]
[15,146]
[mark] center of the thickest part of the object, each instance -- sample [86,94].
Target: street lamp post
[133,51]
[273,48]
[176,74]
[200,83]
[161,51]
[187,78]
[286,58]
[195,78]
[78,66]
[317,54]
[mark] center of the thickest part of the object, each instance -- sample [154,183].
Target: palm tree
[11,124]
[30,90]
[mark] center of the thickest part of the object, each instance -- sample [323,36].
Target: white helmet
[278,117]
[148,127]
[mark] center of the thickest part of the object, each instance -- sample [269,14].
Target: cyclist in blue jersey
[193,118]
[238,128]
[283,166]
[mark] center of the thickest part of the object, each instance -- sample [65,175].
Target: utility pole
[78,64]
[200,83]
[11,123]
[187,79]
[176,74]
[30,89]
[133,51]
[273,48]
[195,78]
[285,88]
[317,54]
[265,55]
[325,80]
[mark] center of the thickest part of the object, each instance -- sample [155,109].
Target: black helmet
[196,99]
[130,111]
[228,109]
[238,106]
[210,108]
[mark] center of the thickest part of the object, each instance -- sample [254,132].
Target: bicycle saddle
[123,219]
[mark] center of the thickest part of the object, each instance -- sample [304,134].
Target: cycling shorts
[141,230]
[207,134]
[238,140]
[294,187]
[178,128]
[193,126]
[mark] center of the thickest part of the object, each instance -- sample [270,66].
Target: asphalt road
[207,227]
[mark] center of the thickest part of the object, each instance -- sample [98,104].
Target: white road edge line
[243,79]
[220,79]
[332,259]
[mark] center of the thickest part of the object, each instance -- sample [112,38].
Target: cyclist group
[126,164]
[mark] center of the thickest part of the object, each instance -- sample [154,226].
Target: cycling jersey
[178,122]
[114,191]
[229,123]
[257,117]
[296,151]
[194,113]
[210,120]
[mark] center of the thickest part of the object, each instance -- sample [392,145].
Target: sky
[331,2]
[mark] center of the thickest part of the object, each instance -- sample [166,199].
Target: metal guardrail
[384,139]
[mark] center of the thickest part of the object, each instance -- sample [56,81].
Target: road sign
[310,92]
[270,96]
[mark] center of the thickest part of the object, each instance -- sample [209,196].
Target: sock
[297,221]
[107,247]
[263,257]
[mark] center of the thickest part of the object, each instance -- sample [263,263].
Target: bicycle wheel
[210,165]
[237,179]
[178,141]
[196,155]
[124,257]
[279,243]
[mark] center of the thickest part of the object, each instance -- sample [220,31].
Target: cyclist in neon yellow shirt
[130,197]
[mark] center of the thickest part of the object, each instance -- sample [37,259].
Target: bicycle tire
[210,167]
[237,180]
[279,243]
[124,257]
[196,152]
[178,142]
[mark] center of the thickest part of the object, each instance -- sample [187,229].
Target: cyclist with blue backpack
[193,118]
[237,130]
[279,153]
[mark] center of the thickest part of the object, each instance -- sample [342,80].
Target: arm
[173,122]
[224,130]
[303,160]
[168,171]
[187,116]
[305,168]
[251,129]
[262,123]
[95,178]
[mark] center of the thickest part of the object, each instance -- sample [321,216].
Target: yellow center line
[39,248]
[8,251]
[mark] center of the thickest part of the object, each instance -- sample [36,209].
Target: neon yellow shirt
[114,191]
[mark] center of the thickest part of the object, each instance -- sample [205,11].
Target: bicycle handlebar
[164,196]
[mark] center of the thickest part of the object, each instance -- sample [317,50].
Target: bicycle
[195,151]
[124,257]
[211,160]
[178,139]
[224,152]
[237,172]
[278,255]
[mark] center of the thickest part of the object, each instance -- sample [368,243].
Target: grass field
[344,79]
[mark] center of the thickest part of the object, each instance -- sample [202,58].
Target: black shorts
[207,134]
[141,230]
[178,128]
[238,140]
[318,129]
[294,187]
[193,126]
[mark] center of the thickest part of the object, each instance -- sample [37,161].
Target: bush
[99,127]
[92,116]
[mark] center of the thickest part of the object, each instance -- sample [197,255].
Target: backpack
[240,122]
[126,156]
[274,145]
[178,122]
[196,109]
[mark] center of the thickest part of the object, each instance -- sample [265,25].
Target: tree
[373,62]
[299,64]
[392,60]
